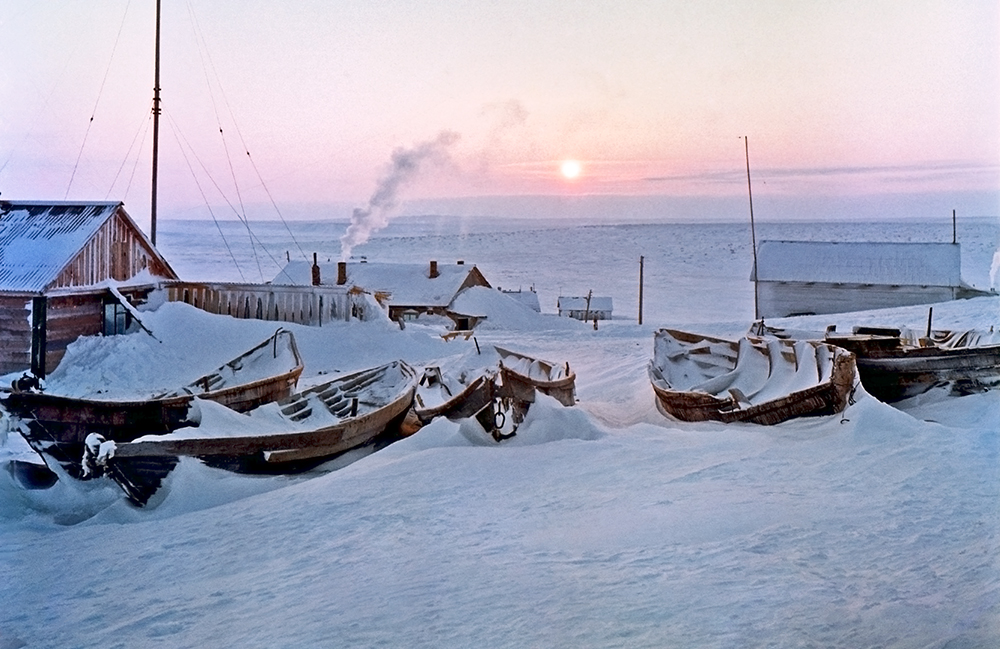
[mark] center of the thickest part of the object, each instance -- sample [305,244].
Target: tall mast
[753,234]
[156,127]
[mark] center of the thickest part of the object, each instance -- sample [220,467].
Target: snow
[600,525]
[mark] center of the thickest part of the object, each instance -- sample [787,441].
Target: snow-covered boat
[521,376]
[895,365]
[441,395]
[56,426]
[698,377]
[290,436]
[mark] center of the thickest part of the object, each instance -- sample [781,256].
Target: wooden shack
[816,277]
[63,266]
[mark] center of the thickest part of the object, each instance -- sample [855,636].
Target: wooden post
[586,315]
[930,314]
[38,335]
[640,288]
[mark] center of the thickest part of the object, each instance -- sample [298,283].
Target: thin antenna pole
[640,288]
[156,128]
[954,229]
[753,233]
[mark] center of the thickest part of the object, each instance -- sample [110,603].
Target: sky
[837,100]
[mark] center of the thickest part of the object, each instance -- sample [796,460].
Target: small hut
[584,308]
[816,277]
[64,267]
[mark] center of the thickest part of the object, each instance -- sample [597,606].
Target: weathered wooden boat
[521,376]
[299,433]
[895,365]
[439,395]
[697,378]
[56,426]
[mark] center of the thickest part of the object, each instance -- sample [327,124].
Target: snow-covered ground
[603,525]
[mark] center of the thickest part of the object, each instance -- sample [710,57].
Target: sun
[570,169]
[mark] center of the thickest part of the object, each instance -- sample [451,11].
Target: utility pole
[156,127]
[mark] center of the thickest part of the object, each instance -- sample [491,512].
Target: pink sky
[651,97]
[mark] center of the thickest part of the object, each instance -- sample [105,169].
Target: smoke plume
[406,164]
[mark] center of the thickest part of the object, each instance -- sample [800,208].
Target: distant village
[70,269]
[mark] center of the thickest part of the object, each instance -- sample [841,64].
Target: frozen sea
[601,525]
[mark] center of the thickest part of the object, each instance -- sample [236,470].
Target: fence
[309,305]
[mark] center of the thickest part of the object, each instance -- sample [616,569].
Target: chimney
[315,269]
[341,273]
[434,270]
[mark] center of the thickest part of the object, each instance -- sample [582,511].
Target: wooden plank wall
[309,305]
[15,333]
[69,317]
[781,299]
[116,252]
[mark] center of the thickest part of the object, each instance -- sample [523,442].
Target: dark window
[116,318]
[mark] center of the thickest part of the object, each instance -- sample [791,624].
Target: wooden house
[816,277]
[584,308]
[406,291]
[63,267]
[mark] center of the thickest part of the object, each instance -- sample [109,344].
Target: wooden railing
[309,305]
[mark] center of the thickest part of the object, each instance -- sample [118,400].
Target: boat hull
[57,426]
[139,467]
[830,396]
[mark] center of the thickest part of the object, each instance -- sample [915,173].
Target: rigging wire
[202,53]
[204,168]
[140,133]
[187,161]
[97,102]
[239,133]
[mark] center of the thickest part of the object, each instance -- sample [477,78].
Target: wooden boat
[301,432]
[521,376]
[895,366]
[439,395]
[697,378]
[56,426]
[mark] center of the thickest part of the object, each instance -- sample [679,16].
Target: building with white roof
[406,291]
[815,277]
[584,308]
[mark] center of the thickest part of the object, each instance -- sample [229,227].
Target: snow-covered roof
[527,298]
[407,284]
[922,264]
[580,303]
[38,240]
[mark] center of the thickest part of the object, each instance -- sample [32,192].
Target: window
[116,318]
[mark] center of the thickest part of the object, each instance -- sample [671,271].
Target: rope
[202,55]
[140,132]
[239,133]
[100,93]
[205,199]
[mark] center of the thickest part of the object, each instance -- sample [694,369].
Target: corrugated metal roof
[900,264]
[38,240]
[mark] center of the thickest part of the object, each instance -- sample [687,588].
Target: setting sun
[570,169]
